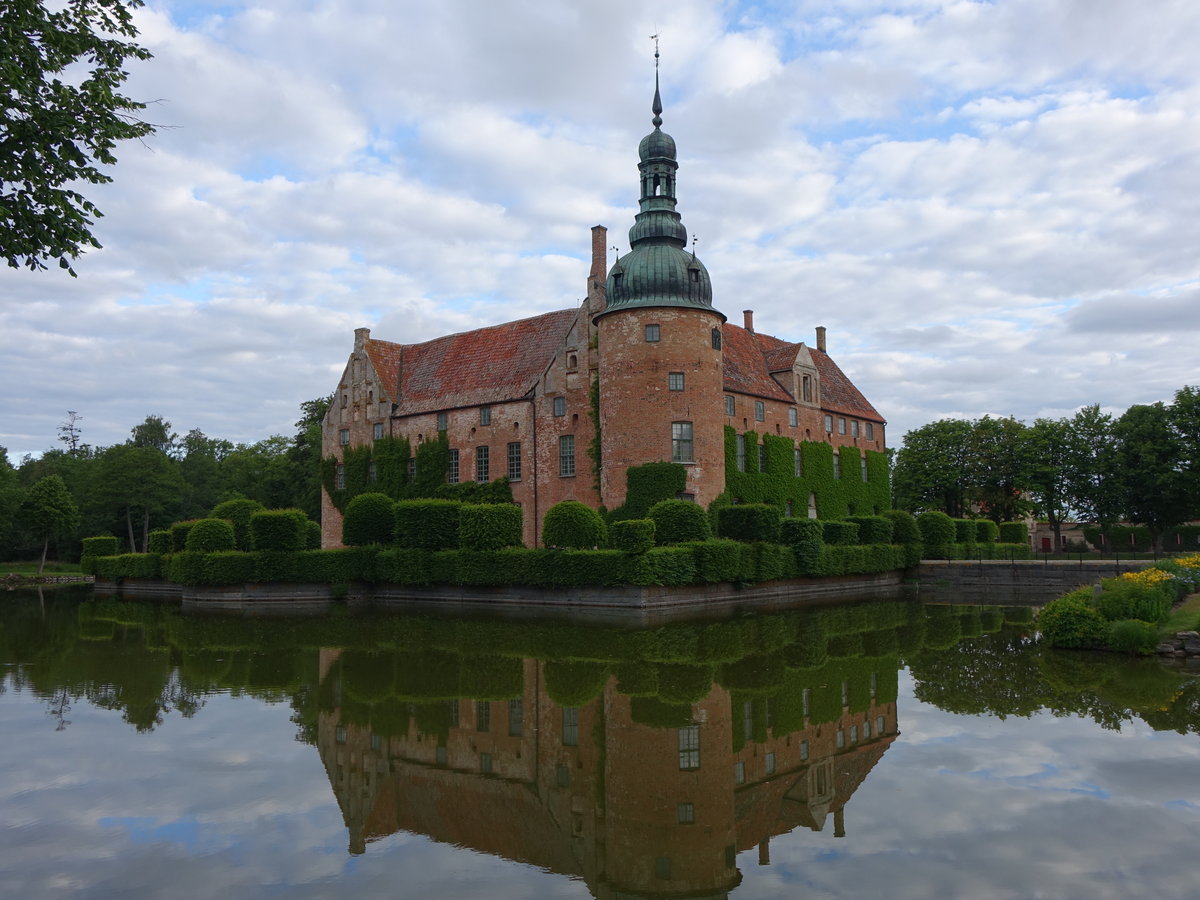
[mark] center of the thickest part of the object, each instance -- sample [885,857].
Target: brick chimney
[821,338]
[599,253]
[748,318]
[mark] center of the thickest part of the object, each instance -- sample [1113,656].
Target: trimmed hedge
[679,521]
[986,531]
[490,526]
[749,522]
[873,529]
[101,545]
[179,534]
[238,512]
[312,535]
[904,526]
[965,531]
[159,541]
[840,532]
[210,536]
[665,565]
[631,535]
[279,529]
[571,525]
[937,533]
[369,519]
[1013,533]
[1070,621]
[723,559]
[127,565]
[427,524]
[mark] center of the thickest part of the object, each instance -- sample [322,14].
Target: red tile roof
[472,368]
[838,392]
[745,366]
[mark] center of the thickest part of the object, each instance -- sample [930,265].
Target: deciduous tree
[49,511]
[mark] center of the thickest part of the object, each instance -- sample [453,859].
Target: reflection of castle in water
[612,791]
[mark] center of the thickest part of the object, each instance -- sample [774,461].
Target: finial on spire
[657,106]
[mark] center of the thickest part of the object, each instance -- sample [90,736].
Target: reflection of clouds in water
[1044,806]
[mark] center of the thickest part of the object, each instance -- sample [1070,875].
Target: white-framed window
[452,474]
[686,813]
[675,381]
[837,466]
[485,415]
[482,464]
[560,406]
[344,436]
[880,725]
[841,425]
[653,333]
[514,461]
[566,455]
[760,411]
[793,417]
[372,472]
[841,738]
[730,405]
[682,448]
[829,424]
[378,430]
[804,751]
[762,457]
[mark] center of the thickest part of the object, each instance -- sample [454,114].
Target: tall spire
[656,107]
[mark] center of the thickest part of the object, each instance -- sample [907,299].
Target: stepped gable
[745,365]
[838,392]
[472,368]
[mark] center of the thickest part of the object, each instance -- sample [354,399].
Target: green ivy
[594,451]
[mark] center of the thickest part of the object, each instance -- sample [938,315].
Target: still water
[888,749]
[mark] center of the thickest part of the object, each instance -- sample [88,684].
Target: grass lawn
[30,568]
[1184,617]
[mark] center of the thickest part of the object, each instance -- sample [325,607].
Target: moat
[880,749]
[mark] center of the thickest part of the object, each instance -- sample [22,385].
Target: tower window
[675,381]
[652,333]
[716,338]
[695,275]
[681,442]
[566,455]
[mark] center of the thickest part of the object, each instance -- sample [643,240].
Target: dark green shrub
[159,541]
[1070,621]
[943,627]
[185,568]
[404,565]
[312,535]
[809,650]
[238,512]
[228,567]
[772,561]
[279,529]
[937,533]
[805,537]
[574,682]
[369,519]
[986,531]
[489,526]
[749,522]
[683,683]
[679,521]
[664,565]
[571,525]
[427,524]
[723,560]
[127,565]
[884,642]
[646,485]
[872,529]
[1133,637]
[485,677]
[211,536]
[965,531]
[1013,533]
[632,535]
[655,713]
[273,566]
[179,533]
[840,532]
[904,526]
[101,545]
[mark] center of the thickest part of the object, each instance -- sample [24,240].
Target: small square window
[442,422]
[560,406]
[760,411]
[344,436]
[793,417]
[378,430]
[675,381]
[686,813]
[485,415]
[730,407]
[652,333]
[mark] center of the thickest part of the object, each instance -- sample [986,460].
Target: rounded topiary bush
[572,525]
[679,521]
[238,512]
[279,529]
[632,535]
[1014,533]
[490,526]
[159,541]
[312,535]
[1070,621]
[102,545]
[986,531]
[369,519]
[937,533]
[904,526]
[179,533]
[965,531]
[872,529]
[210,536]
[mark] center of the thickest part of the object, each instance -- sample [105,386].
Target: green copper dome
[658,270]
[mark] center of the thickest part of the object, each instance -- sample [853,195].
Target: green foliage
[1014,533]
[489,526]
[937,533]
[279,529]
[595,448]
[427,524]
[475,492]
[62,119]
[840,533]
[749,522]
[1122,598]
[102,545]
[723,559]
[228,566]
[806,537]
[664,565]
[648,484]
[987,531]
[679,521]
[1070,621]
[573,525]
[873,529]
[684,683]
[210,535]
[369,519]
[432,464]
[965,531]
[159,541]
[1133,637]
[312,535]
[574,683]
[238,512]
[906,531]
[49,511]
[632,535]
[128,565]
[179,534]
[656,714]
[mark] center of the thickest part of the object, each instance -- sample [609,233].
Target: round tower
[659,338]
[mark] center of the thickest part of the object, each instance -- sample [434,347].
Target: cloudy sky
[991,205]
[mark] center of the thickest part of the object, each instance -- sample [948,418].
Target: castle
[646,360]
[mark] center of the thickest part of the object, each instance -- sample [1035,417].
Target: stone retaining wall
[1020,580]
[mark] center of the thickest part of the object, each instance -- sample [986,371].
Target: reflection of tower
[660,342]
